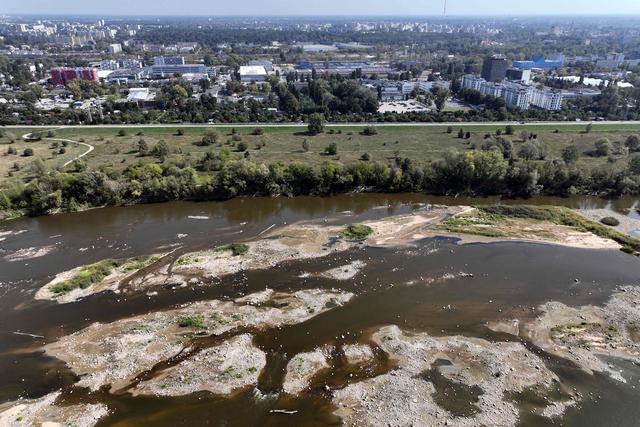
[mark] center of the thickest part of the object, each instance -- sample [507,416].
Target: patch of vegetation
[357,232]
[138,263]
[87,276]
[195,321]
[610,221]
[187,260]
[236,249]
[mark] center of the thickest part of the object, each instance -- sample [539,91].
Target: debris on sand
[302,367]
[584,334]
[405,397]
[357,353]
[115,353]
[306,240]
[344,272]
[46,412]
[234,364]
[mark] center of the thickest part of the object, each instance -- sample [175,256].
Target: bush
[236,138]
[366,157]
[357,231]
[610,221]
[258,131]
[242,146]
[195,321]
[28,152]
[331,150]
[236,249]
[369,131]
[210,137]
[603,147]
[122,132]
[179,132]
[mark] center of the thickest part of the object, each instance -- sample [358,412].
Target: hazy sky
[320,7]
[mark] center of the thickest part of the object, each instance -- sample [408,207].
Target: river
[507,278]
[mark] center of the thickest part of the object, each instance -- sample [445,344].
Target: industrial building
[252,73]
[158,71]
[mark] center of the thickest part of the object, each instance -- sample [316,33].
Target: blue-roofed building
[556,61]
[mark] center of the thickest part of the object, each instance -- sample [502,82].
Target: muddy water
[418,289]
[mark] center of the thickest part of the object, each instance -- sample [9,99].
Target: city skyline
[326,8]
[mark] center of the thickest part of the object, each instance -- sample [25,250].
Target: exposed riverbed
[407,327]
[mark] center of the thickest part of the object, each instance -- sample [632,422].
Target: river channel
[500,279]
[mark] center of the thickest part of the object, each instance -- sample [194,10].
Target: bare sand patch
[344,272]
[117,352]
[357,353]
[30,253]
[302,367]
[46,412]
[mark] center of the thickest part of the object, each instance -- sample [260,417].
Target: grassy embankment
[285,144]
[499,220]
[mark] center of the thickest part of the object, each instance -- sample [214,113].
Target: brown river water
[507,278]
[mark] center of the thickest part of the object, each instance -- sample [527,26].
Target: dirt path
[90,147]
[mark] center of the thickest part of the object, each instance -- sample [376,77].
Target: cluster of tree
[490,169]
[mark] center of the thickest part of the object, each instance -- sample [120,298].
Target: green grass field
[284,144]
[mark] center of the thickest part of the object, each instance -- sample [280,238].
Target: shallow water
[419,289]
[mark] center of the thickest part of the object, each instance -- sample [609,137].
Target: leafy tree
[316,124]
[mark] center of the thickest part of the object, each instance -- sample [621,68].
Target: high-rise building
[494,68]
[61,76]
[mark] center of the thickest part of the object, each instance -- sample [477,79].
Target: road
[285,125]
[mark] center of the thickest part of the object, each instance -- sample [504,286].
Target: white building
[516,95]
[252,73]
[115,48]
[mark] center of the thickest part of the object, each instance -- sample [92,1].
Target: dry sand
[115,353]
[232,365]
[403,397]
[46,412]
